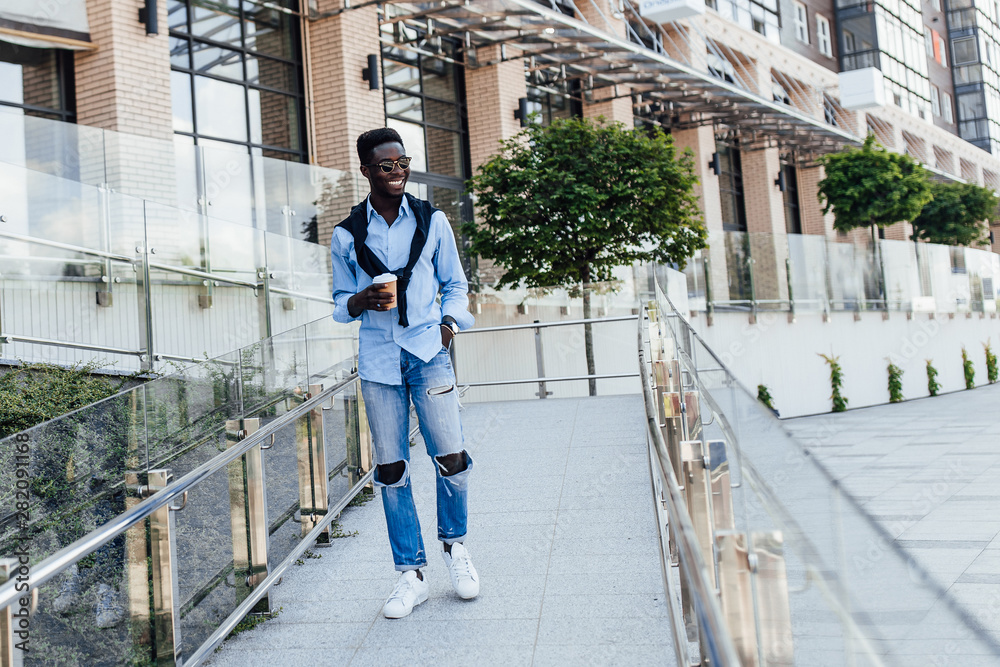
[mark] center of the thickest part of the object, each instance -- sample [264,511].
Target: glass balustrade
[165,585]
[805,576]
[88,274]
[215,179]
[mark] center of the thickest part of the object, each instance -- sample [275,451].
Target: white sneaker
[410,591]
[464,578]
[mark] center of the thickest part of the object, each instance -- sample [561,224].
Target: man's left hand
[447,335]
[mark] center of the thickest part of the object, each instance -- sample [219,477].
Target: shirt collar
[404,208]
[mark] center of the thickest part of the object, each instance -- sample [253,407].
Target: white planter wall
[785,356]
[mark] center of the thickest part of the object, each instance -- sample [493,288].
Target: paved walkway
[562,533]
[927,471]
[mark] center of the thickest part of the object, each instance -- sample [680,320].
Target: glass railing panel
[331,349]
[272,182]
[143,167]
[301,283]
[186,413]
[694,272]
[276,380]
[979,264]
[203,277]
[319,199]
[66,150]
[84,615]
[229,182]
[945,271]
[846,280]
[768,270]
[737,286]
[902,279]
[807,258]
[213,557]
[64,478]
[66,251]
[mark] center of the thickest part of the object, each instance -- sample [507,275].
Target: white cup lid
[385,278]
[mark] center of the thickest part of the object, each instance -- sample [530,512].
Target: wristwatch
[451,324]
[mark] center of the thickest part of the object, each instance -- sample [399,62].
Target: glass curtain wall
[425,102]
[887,34]
[37,82]
[236,76]
[975,49]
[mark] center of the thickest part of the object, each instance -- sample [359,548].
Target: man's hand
[447,335]
[370,298]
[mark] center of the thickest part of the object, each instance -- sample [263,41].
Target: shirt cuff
[340,311]
[462,316]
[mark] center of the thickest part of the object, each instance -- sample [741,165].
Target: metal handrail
[62,559]
[543,325]
[10,338]
[687,543]
[301,295]
[201,274]
[66,246]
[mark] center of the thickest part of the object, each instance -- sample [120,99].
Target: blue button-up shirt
[437,270]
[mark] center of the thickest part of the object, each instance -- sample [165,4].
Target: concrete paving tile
[439,654]
[596,631]
[287,657]
[596,605]
[452,632]
[605,655]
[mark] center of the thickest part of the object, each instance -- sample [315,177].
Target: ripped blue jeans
[432,389]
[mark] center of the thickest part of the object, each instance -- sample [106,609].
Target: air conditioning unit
[662,11]
[862,89]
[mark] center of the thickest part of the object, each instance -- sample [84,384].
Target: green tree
[957,215]
[564,204]
[872,186]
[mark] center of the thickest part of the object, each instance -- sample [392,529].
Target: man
[404,357]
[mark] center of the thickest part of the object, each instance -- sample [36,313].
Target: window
[801,23]
[721,68]
[37,81]
[936,4]
[823,36]
[734,217]
[946,108]
[793,220]
[939,54]
[935,101]
[964,51]
[928,42]
[971,106]
[236,77]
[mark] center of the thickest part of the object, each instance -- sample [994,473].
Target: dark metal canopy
[602,66]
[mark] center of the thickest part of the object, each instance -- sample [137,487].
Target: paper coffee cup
[387,283]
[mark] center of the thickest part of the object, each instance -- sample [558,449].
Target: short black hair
[372,139]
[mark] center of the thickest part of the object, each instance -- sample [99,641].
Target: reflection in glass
[221,108]
[180,102]
[413,141]
[220,62]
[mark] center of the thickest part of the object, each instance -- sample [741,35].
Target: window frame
[824,40]
[246,54]
[947,111]
[800,21]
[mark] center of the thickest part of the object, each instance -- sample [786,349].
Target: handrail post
[791,294]
[540,363]
[248,513]
[264,301]
[310,445]
[163,580]
[709,308]
[144,297]
[13,626]
[753,291]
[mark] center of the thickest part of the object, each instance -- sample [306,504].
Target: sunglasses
[387,166]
